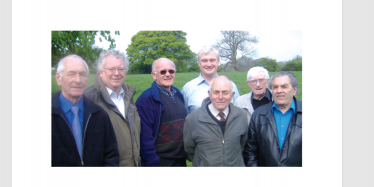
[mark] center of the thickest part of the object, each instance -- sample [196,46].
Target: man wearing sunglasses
[116,98]
[257,80]
[196,90]
[162,113]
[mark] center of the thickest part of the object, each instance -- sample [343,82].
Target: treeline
[244,64]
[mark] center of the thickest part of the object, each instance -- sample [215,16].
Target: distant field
[143,81]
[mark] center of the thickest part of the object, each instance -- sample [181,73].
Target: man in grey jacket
[215,133]
[116,98]
[257,80]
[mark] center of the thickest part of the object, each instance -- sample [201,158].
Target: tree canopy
[270,64]
[80,43]
[235,45]
[147,46]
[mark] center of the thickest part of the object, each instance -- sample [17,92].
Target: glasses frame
[113,69]
[163,72]
[254,82]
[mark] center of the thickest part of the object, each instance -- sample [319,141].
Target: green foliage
[194,67]
[270,64]
[147,46]
[78,42]
[295,64]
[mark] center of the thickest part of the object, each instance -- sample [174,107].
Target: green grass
[143,81]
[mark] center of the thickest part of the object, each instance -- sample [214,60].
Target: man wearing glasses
[257,80]
[116,98]
[196,90]
[162,113]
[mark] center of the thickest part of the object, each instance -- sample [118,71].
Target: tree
[234,45]
[78,42]
[293,65]
[270,64]
[147,46]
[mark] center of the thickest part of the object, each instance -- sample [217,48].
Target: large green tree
[80,43]
[147,46]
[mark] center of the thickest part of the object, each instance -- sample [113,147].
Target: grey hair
[154,66]
[231,83]
[111,52]
[290,75]
[61,67]
[207,50]
[255,71]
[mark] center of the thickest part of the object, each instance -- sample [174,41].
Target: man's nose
[77,78]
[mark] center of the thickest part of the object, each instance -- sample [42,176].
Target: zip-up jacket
[99,140]
[207,146]
[262,147]
[127,130]
[150,109]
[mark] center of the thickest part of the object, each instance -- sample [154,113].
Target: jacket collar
[99,85]
[89,106]
[205,117]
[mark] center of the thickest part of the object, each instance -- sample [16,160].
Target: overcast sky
[278,45]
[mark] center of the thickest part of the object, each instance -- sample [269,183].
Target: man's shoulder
[190,83]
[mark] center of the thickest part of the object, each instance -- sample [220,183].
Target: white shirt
[215,112]
[119,102]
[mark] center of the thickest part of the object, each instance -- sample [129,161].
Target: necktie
[77,130]
[222,115]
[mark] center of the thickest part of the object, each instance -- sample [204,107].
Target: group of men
[207,122]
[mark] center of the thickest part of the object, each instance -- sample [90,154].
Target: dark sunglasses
[163,72]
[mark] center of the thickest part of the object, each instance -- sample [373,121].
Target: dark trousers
[172,163]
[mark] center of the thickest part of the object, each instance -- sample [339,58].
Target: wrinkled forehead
[259,75]
[74,64]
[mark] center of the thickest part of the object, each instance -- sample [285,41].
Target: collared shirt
[120,101]
[165,91]
[196,90]
[215,112]
[66,105]
[282,121]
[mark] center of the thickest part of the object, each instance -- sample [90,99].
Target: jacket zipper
[71,131]
[159,121]
[84,137]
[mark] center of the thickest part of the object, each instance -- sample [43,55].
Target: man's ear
[58,78]
[154,75]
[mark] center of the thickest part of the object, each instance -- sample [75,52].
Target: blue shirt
[66,105]
[165,91]
[196,90]
[282,121]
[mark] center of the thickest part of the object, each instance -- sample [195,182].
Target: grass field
[143,81]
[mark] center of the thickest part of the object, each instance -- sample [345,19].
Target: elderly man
[257,80]
[161,110]
[275,133]
[215,134]
[116,97]
[82,134]
[196,90]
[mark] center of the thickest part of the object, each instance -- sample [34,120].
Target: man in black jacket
[82,133]
[275,133]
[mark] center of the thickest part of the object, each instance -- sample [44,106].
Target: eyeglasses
[163,72]
[112,70]
[255,81]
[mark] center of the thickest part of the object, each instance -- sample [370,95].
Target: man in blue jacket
[82,133]
[162,113]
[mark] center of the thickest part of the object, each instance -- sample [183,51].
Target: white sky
[279,45]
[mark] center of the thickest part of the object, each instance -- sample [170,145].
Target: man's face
[258,85]
[282,91]
[73,80]
[221,93]
[113,73]
[165,73]
[208,63]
